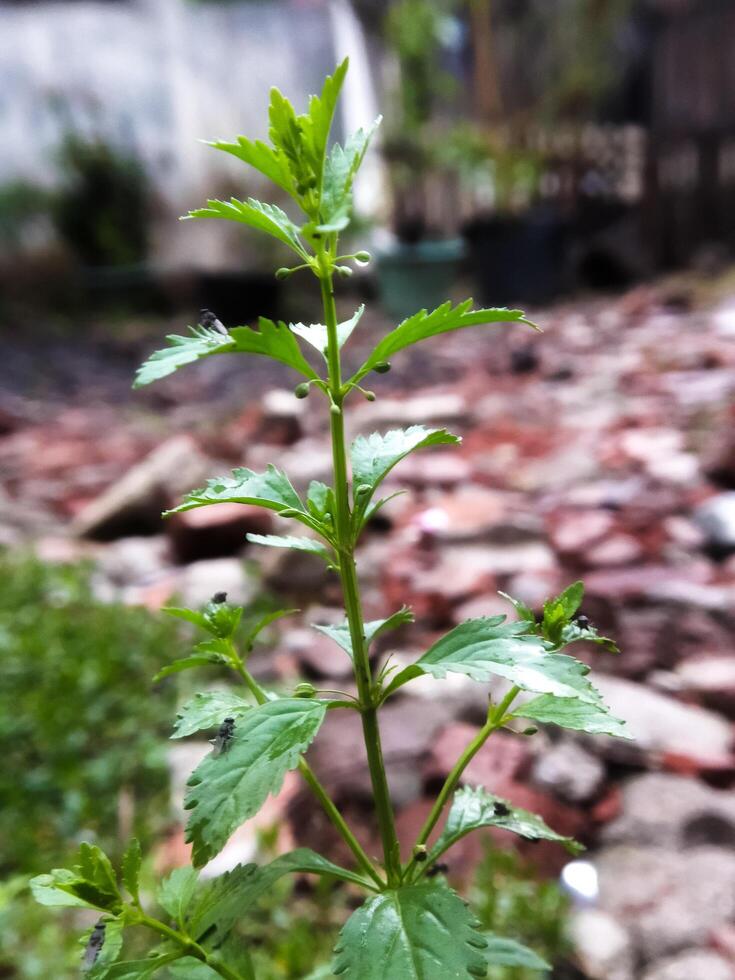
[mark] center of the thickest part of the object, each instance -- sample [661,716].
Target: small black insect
[583,622]
[224,736]
[210,321]
[219,597]
[437,869]
[94,944]
[500,810]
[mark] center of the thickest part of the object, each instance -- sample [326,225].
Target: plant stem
[191,947]
[319,791]
[495,719]
[350,589]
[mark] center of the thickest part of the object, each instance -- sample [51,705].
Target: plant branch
[190,947]
[319,791]
[496,718]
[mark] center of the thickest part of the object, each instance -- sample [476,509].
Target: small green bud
[362,258]
[302,390]
[370,396]
[304,690]
[289,512]
[343,270]
[382,367]
[420,853]
[529,731]
[362,490]
[335,409]
[282,273]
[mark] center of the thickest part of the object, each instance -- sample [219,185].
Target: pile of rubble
[603,450]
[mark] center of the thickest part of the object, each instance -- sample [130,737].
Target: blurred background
[576,157]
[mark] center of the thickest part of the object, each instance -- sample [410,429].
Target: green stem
[190,947]
[496,719]
[350,589]
[319,791]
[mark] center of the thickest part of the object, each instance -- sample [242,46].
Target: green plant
[80,746]
[411,923]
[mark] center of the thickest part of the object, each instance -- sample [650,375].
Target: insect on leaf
[207,710]
[475,808]
[227,789]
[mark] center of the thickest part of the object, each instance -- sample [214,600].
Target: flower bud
[343,270]
[362,490]
[362,258]
[282,273]
[529,731]
[302,390]
[304,690]
[382,367]
[370,396]
[420,853]
[335,409]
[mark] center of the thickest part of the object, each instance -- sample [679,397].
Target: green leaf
[340,168]
[316,124]
[228,788]
[261,157]
[473,808]
[207,710]
[221,901]
[316,333]
[263,217]
[559,612]
[203,342]
[572,713]
[524,612]
[107,954]
[482,648]
[271,339]
[296,544]
[374,456]
[256,629]
[271,490]
[131,863]
[421,932]
[141,969]
[176,892]
[573,632]
[341,633]
[508,952]
[422,325]
[92,883]
[187,663]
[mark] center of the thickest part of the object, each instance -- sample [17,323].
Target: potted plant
[419,262]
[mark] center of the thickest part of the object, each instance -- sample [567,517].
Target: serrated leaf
[131,864]
[227,789]
[524,612]
[487,647]
[422,325]
[316,124]
[341,633]
[340,168]
[374,456]
[96,967]
[288,541]
[507,952]
[316,333]
[261,157]
[176,892]
[473,808]
[558,612]
[221,901]
[257,628]
[271,339]
[420,932]
[207,710]
[580,716]
[573,633]
[263,217]
[272,490]
[188,663]
[181,351]
[91,883]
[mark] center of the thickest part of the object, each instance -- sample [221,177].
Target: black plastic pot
[518,259]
